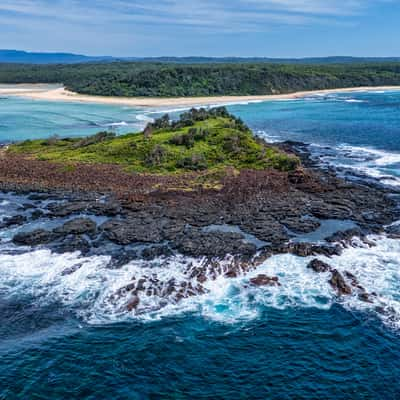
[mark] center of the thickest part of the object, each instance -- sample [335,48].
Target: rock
[65,209]
[12,221]
[306,249]
[40,196]
[393,231]
[301,225]
[129,231]
[365,297]
[353,279]
[264,280]
[344,236]
[73,243]
[122,258]
[339,284]
[71,270]
[27,206]
[197,243]
[33,238]
[109,209]
[149,253]
[319,266]
[133,303]
[37,214]
[78,226]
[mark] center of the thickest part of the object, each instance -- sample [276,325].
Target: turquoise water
[26,119]
[62,338]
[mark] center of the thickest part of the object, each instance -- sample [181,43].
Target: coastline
[102,211]
[47,92]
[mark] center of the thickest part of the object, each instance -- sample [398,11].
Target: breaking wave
[96,292]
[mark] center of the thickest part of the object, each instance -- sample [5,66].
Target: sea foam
[87,286]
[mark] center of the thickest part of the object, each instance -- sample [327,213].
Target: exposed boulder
[339,284]
[264,280]
[125,232]
[306,249]
[344,236]
[149,253]
[33,238]
[77,226]
[319,266]
[197,243]
[12,221]
[73,243]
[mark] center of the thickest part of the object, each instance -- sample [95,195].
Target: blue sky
[271,28]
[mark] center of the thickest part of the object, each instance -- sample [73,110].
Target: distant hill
[24,57]
[232,60]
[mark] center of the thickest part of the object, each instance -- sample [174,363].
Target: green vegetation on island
[199,140]
[142,79]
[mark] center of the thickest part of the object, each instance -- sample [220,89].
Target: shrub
[52,140]
[156,156]
[95,139]
[196,162]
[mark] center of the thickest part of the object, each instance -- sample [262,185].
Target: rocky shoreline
[230,231]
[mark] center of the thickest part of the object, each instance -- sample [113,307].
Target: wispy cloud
[242,15]
[152,27]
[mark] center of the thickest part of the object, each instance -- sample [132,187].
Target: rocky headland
[226,216]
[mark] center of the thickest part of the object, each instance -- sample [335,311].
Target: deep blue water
[61,339]
[296,353]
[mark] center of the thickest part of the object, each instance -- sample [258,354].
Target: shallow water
[65,337]
[22,119]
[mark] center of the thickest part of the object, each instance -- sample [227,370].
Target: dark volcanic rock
[144,229]
[344,236]
[33,238]
[149,253]
[339,284]
[133,303]
[73,243]
[306,249]
[65,209]
[13,221]
[27,206]
[78,226]
[393,231]
[365,297]
[36,214]
[130,231]
[301,225]
[197,243]
[121,258]
[319,266]
[264,280]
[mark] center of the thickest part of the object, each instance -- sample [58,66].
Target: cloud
[220,15]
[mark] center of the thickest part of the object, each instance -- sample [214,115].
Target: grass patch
[200,140]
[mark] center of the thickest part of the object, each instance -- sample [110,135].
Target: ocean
[62,338]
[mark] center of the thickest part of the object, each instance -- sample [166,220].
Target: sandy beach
[54,93]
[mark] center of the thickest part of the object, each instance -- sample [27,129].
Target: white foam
[122,123]
[380,157]
[144,118]
[354,101]
[94,291]
[365,160]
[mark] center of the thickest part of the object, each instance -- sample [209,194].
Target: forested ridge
[170,80]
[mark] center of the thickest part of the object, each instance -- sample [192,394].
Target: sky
[266,28]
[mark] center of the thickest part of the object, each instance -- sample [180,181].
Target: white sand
[53,93]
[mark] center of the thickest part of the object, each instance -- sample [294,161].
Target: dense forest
[168,80]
